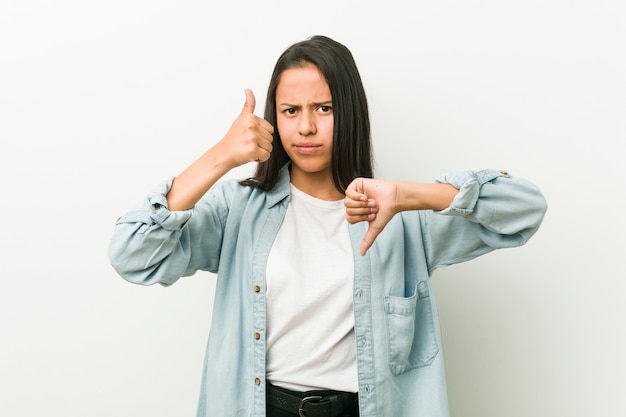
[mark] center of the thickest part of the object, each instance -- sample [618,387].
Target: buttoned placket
[275,215]
[363,322]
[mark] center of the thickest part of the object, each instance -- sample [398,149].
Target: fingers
[250,103]
[358,207]
[359,211]
[265,139]
[266,128]
[368,239]
[368,200]
[356,189]
[260,131]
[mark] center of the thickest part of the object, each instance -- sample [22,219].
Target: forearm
[424,196]
[248,139]
[191,184]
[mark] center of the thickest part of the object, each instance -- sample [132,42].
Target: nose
[307,124]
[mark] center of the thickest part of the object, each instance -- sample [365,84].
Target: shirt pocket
[411,330]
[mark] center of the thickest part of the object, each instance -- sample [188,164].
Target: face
[304,116]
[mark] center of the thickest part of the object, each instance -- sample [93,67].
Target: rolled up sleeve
[492,210]
[150,243]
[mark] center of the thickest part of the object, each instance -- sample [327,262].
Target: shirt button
[257,335]
[504,172]
[256,288]
[257,381]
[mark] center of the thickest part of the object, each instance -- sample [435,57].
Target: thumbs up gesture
[249,137]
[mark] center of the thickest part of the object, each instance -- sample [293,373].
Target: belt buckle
[306,400]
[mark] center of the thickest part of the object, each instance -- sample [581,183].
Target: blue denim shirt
[230,232]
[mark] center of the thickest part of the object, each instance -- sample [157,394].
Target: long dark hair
[352,149]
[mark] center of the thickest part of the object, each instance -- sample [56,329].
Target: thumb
[250,104]
[368,239]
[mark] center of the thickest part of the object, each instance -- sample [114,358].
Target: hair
[352,150]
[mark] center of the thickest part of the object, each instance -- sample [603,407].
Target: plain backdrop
[99,101]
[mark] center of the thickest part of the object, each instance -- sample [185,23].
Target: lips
[307,147]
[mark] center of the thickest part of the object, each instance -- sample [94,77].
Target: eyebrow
[317,104]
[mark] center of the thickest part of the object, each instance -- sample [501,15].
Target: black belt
[312,403]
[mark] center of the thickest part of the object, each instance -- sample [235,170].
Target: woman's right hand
[249,138]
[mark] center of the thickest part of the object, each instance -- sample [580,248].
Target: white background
[99,101]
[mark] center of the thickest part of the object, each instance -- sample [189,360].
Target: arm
[377,201]
[151,244]
[249,139]
[504,211]
[163,239]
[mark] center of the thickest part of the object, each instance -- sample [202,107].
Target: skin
[304,116]
[249,139]
[377,201]
[305,123]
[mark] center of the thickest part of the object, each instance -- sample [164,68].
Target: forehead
[302,83]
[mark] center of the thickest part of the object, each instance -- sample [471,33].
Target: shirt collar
[281,190]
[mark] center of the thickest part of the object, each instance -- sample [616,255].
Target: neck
[318,185]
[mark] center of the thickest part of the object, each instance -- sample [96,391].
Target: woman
[315,315]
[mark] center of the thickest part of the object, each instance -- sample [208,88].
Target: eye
[290,110]
[326,109]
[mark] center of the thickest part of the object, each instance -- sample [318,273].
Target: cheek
[327,126]
[283,133]
[284,125]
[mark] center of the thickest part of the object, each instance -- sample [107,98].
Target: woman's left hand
[373,201]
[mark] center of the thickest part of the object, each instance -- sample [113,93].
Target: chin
[310,166]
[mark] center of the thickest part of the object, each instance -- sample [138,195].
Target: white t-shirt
[310,318]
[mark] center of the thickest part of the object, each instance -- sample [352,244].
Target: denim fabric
[230,232]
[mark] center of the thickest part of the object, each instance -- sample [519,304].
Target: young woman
[323,305]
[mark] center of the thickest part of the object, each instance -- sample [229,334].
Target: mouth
[307,147]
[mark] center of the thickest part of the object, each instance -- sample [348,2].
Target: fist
[250,137]
[373,201]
